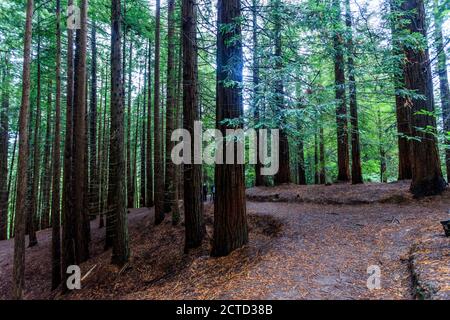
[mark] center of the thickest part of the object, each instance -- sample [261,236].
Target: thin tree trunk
[356,146]
[284,174]
[316,159]
[55,209]
[192,195]
[117,191]
[341,108]
[157,127]
[135,145]
[149,158]
[443,79]
[20,220]
[130,191]
[259,178]
[10,179]
[381,149]
[143,175]
[230,219]
[47,166]
[33,208]
[4,136]
[322,173]
[427,177]
[93,176]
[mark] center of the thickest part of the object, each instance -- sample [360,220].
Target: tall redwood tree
[230,219]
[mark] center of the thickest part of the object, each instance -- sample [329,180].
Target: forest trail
[296,251]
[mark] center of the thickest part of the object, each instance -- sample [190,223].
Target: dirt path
[324,251]
[297,250]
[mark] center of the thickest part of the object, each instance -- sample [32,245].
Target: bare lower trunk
[230,219]
[20,221]
[356,146]
[193,204]
[117,191]
[157,128]
[443,79]
[4,136]
[427,177]
[55,209]
[341,108]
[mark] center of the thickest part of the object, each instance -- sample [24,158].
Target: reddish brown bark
[79,179]
[356,146]
[443,79]
[193,204]
[157,127]
[117,191]
[341,108]
[284,171]
[426,169]
[230,220]
[4,136]
[55,209]
[20,219]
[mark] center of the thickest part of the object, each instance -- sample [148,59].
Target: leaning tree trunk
[117,190]
[443,80]
[192,195]
[230,219]
[20,220]
[341,108]
[427,177]
[4,194]
[33,207]
[356,146]
[55,208]
[157,127]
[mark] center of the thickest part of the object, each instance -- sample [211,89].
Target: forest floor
[306,242]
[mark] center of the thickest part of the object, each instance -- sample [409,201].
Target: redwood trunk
[79,187]
[117,190]
[284,172]
[403,112]
[259,178]
[230,220]
[170,195]
[443,80]
[427,177]
[193,204]
[356,146]
[4,136]
[149,158]
[20,220]
[157,127]
[341,108]
[55,209]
